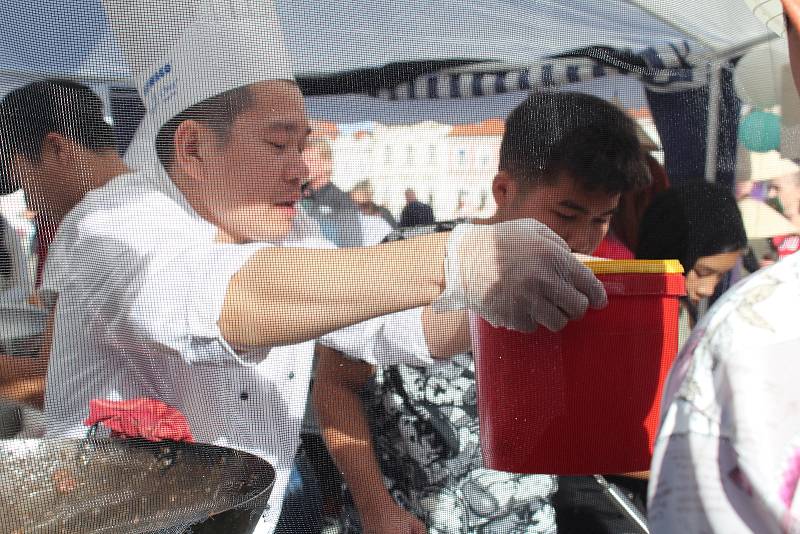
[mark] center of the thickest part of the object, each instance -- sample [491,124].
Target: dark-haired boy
[565,158]
[56,146]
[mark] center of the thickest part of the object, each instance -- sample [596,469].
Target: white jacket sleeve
[398,338]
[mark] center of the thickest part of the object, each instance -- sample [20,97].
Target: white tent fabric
[73,39]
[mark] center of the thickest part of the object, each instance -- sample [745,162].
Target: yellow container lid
[600,266]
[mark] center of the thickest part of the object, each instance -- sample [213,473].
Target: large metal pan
[129,486]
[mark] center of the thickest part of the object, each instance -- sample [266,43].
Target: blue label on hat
[155,77]
[164,93]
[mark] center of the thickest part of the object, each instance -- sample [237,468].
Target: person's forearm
[22,380]
[446,334]
[346,433]
[285,295]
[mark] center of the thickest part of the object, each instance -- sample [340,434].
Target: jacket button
[244,395]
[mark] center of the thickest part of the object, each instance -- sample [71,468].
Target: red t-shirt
[786,244]
[45,233]
[612,248]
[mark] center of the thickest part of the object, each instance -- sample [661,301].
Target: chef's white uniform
[140,284]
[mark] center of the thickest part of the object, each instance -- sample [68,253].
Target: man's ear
[193,147]
[60,149]
[505,189]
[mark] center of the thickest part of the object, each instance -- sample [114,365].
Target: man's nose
[298,170]
[583,242]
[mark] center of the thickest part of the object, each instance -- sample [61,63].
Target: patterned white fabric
[727,456]
[425,429]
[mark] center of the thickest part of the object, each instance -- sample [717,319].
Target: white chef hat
[185,51]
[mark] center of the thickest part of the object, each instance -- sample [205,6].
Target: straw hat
[763,166]
[762,221]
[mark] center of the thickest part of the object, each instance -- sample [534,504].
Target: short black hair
[217,112]
[29,114]
[690,222]
[591,139]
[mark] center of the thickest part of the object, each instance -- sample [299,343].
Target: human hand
[392,518]
[517,274]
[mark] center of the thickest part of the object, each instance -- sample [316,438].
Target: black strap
[439,422]
[6,262]
[415,231]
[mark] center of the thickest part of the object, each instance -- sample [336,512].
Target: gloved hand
[517,274]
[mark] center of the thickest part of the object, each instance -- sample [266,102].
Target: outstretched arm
[346,432]
[284,295]
[516,274]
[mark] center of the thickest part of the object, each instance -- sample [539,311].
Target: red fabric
[139,418]
[612,248]
[45,233]
[786,244]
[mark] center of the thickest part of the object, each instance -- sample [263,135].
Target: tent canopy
[344,51]
[327,37]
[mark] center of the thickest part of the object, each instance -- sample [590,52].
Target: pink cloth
[139,418]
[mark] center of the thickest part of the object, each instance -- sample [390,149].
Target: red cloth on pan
[145,418]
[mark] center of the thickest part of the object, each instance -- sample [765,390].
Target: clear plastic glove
[517,274]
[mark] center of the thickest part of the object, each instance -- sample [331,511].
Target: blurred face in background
[320,167]
[702,279]
[59,179]
[361,196]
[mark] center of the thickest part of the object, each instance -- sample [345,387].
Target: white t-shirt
[373,229]
[141,282]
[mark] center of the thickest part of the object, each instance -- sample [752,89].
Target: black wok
[129,486]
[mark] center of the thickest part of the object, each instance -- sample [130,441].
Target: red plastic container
[584,400]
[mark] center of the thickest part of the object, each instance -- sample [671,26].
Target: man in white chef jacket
[163,283]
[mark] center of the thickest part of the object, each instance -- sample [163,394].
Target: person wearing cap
[56,146]
[727,455]
[363,195]
[168,280]
[406,437]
